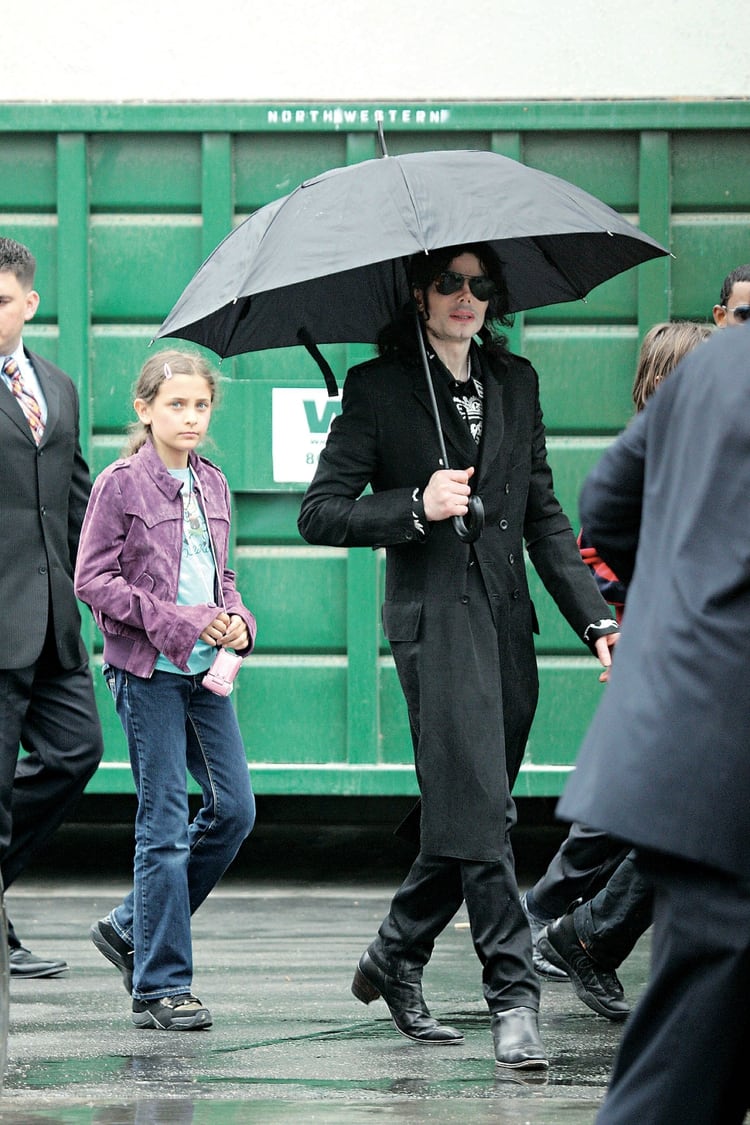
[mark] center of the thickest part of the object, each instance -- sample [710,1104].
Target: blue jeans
[173,725]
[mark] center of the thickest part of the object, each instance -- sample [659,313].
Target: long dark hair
[400,335]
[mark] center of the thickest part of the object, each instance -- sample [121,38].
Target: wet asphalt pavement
[274,959]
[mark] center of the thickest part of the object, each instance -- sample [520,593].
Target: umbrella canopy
[328,261]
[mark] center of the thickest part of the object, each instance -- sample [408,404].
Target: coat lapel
[493,423]
[459,443]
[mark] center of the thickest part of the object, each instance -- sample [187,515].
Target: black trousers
[580,868]
[424,905]
[612,921]
[51,713]
[683,1056]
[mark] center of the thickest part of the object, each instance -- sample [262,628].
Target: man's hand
[447,494]
[604,646]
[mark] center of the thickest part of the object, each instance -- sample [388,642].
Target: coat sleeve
[552,546]
[334,510]
[612,499]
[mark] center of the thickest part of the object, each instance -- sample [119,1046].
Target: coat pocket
[401,620]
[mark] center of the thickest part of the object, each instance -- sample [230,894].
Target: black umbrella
[328,262]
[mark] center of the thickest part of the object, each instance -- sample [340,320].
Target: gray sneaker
[542,966]
[172,1013]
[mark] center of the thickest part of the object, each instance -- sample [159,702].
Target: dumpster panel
[121,204]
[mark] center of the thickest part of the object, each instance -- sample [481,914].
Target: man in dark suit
[459,619]
[666,762]
[46,694]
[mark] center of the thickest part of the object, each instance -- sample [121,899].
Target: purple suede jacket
[129,555]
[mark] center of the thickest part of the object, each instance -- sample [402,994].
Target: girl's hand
[236,636]
[214,633]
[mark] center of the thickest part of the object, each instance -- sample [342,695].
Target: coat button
[42,569]
[507,489]
[511,558]
[516,595]
[409,535]
[465,600]
[503,525]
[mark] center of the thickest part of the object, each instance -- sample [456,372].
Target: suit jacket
[43,495]
[666,761]
[459,617]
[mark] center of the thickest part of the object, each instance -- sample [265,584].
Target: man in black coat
[459,620]
[46,695]
[666,763]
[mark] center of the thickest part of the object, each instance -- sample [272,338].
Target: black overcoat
[666,761]
[43,496]
[459,617]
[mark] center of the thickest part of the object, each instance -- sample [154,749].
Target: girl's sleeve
[102,537]
[232,598]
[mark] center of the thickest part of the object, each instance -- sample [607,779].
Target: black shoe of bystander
[597,987]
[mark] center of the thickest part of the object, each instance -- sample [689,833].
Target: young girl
[152,566]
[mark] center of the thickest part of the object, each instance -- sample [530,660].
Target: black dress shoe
[24,963]
[516,1036]
[599,988]
[405,1003]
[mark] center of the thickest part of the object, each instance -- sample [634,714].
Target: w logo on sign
[301,419]
[319,420]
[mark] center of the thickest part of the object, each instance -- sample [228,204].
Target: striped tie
[29,404]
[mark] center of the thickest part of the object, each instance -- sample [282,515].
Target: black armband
[597,629]
[418,517]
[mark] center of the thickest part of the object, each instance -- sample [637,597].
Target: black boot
[516,1036]
[405,1003]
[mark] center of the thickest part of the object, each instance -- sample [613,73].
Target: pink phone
[221,675]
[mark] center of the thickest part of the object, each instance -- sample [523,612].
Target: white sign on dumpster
[301,419]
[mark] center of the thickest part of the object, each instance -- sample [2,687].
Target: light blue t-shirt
[197,573]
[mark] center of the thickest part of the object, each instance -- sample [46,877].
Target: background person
[587,858]
[589,943]
[46,694]
[665,761]
[734,300]
[153,567]
[459,619]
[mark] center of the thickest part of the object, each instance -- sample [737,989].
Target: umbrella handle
[468,528]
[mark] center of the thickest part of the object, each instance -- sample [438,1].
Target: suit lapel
[10,406]
[51,393]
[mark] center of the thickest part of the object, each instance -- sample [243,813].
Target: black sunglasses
[449,281]
[742,312]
